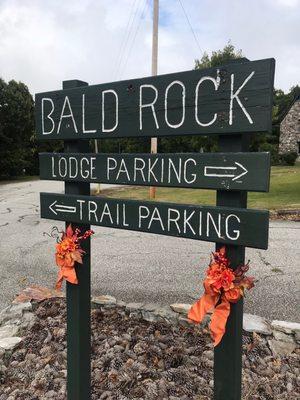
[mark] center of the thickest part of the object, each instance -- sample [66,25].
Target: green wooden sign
[212,224]
[231,99]
[228,171]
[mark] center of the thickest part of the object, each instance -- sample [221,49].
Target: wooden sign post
[228,354]
[79,296]
[232,101]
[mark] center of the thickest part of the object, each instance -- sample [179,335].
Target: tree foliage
[219,57]
[17,152]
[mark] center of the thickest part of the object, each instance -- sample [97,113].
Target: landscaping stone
[285,326]
[14,312]
[37,293]
[104,300]
[166,314]
[134,309]
[121,303]
[185,321]
[284,337]
[254,323]
[9,343]
[280,348]
[181,308]
[8,331]
[148,312]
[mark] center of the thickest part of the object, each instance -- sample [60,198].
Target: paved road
[136,266]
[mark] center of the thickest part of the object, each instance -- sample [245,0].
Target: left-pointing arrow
[54,207]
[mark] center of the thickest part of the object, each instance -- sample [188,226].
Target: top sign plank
[235,98]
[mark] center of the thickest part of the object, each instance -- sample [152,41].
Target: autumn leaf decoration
[222,286]
[69,252]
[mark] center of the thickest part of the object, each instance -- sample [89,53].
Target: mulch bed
[285,215]
[135,359]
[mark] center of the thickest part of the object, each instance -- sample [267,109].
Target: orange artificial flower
[233,295]
[222,286]
[69,252]
[224,280]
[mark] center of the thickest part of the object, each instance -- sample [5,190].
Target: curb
[283,337]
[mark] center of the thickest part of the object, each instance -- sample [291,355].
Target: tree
[202,143]
[219,57]
[16,129]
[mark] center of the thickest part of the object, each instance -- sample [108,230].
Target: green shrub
[273,149]
[288,158]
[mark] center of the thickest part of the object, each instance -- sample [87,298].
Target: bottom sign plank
[213,224]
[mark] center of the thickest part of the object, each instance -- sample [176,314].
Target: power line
[135,35]
[190,25]
[132,15]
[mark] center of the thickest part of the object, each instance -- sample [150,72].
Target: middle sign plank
[235,98]
[213,224]
[227,171]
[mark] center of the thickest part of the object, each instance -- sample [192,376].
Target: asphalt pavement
[136,266]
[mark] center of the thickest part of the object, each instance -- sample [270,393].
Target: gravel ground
[135,359]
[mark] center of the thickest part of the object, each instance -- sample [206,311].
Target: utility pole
[154,72]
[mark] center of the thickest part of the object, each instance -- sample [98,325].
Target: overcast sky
[43,42]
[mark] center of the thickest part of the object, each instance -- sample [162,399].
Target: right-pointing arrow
[226,172]
[242,169]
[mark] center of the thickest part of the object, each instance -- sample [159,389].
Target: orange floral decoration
[222,286]
[69,252]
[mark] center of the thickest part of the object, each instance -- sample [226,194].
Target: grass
[284,192]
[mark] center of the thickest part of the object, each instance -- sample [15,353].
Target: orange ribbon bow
[222,286]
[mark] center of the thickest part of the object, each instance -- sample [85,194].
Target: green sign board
[212,224]
[227,171]
[231,99]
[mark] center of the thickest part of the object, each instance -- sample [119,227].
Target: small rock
[289,387]
[165,314]
[104,300]
[148,312]
[105,395]
[149,316]
[281,348]
[278,335]
[254,323]
[121,303]
[285,326]
[8,331]
[51,394]
[14,312]
[297,337]
[2,352]
[132,307]
[36,293]
[9,343]
[185,321]
[181,308]
[209,354]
